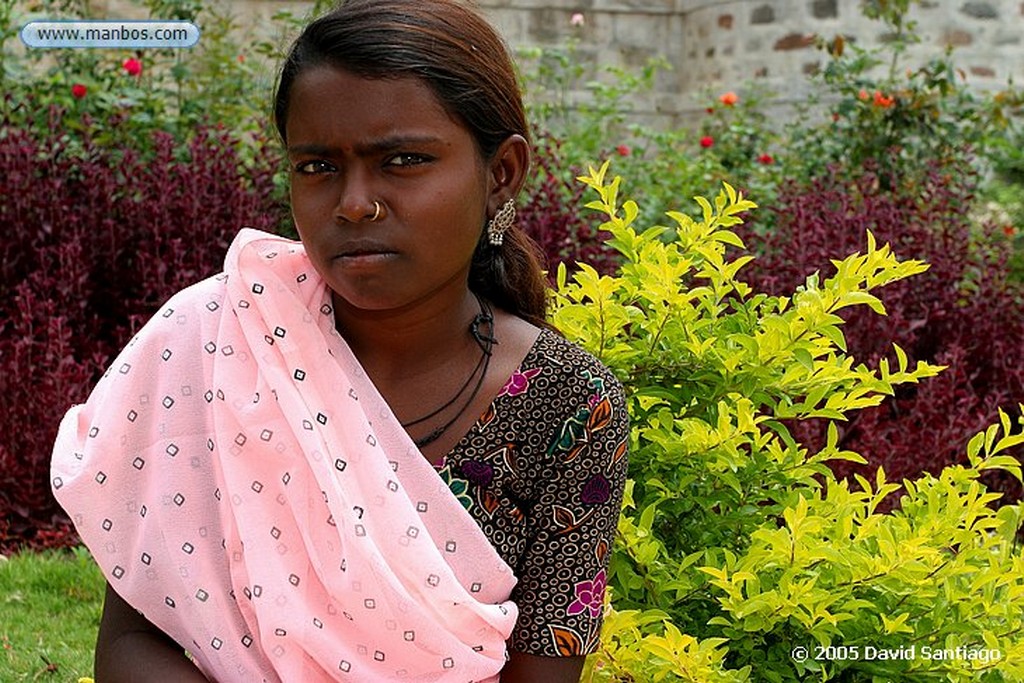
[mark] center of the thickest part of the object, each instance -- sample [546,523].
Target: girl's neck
[408,341]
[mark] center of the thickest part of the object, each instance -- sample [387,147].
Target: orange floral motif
[601,551]
[567,641]
[487,417]
[566,520]
[508,456]
[620,452]
[600,416]
[489,501]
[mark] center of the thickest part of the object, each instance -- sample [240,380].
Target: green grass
[50,607]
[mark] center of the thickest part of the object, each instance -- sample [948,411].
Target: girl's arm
[523,668]
[129,649]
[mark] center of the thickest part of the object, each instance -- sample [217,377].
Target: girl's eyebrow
[368,147]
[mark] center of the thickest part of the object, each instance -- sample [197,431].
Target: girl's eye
[313,167]
[407,159]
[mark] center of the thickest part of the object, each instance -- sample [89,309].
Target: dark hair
[467,66]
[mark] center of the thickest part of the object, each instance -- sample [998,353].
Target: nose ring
[377,210]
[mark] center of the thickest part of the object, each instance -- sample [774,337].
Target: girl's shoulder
[572,365]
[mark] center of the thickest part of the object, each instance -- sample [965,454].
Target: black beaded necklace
[482,329]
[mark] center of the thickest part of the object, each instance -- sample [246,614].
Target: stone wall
[728,44]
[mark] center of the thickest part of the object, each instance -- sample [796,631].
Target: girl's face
[354,141]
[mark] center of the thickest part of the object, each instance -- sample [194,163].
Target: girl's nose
[357,203]
[360,211]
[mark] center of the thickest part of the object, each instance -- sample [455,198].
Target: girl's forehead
[325,79]
[330,103]
[326,87]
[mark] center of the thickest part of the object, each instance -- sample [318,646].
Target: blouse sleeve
[573,519]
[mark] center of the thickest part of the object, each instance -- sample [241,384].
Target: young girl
[364,456]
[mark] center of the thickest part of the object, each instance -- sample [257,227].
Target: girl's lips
[365,256]
[360,249]
[357,254]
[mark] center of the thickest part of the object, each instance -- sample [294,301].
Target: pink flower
[590,596]
[707,141]
[623,150]
[132,66]
[766,159]
[863,96]
[578,19]
[518,383]
[729,99]
[78,91]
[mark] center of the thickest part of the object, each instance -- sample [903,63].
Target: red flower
[132,66]
[78,91]
[707,141]
[883,101]
[1009,230]
[729,99]
[623,150]
[863,96]
[710,110]
[766,159]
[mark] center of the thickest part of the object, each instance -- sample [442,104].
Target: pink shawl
[242,483]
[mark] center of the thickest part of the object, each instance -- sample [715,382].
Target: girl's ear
[508,169]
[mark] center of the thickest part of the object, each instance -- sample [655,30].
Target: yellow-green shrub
[740,557]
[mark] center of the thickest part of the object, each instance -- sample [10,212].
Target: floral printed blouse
[542,472]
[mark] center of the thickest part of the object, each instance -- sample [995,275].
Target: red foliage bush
[962,312]
[95,239]
[551,214]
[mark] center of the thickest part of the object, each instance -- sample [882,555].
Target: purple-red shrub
[962,312]
[96,237]
[550,213]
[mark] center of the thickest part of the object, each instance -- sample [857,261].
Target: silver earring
[499,225]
